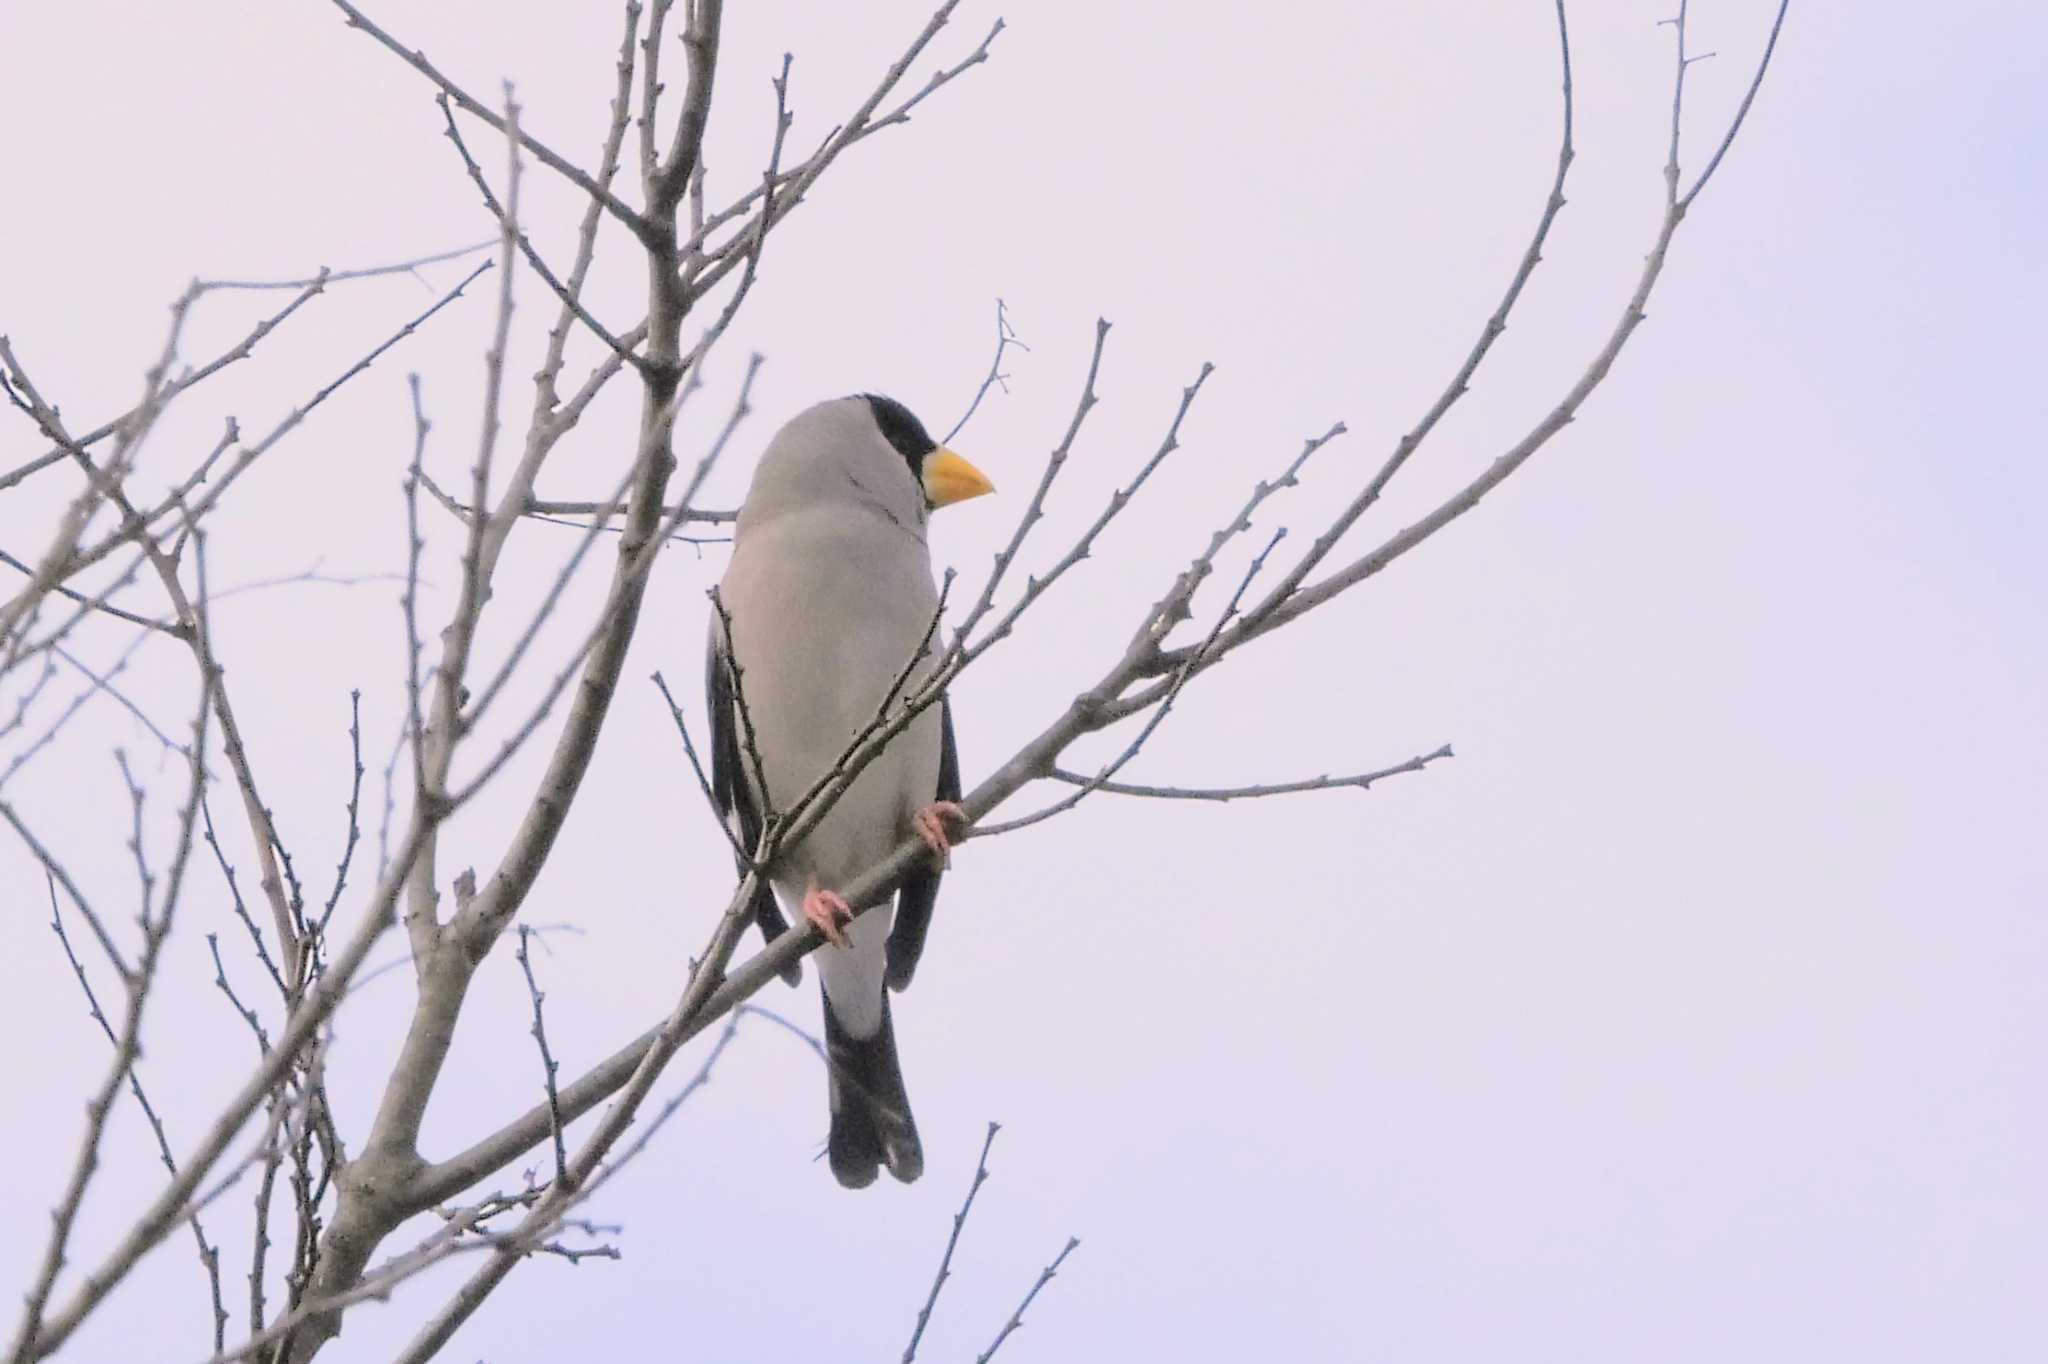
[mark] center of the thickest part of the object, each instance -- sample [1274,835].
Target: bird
[828,598]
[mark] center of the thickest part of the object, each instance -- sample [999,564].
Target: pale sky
[1694,1012]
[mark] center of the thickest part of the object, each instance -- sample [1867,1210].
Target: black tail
[871,1122]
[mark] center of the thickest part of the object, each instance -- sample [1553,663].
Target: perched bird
[830,597]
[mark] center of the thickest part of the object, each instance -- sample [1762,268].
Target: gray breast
[828,605]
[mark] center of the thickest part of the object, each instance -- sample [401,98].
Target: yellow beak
[949,478]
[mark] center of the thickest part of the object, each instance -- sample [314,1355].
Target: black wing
[729,791]
[920,890]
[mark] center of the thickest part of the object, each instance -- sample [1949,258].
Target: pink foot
[930,823]
[830,912]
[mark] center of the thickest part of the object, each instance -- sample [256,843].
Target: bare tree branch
[1361,781]
[1756,82]
[220,981]
[99,683]
[924,1313]
[585,1174]
[1017,1318]
[179,499]
[105,607]
[209,1257]
[249,923]
[1005,338]
[569,297]
[337,1212]
[793,184]
[52,867]
[102,482]
[38,1334]
[1159,713]
[703,779]
[354,808]
[324,277]
[547,1058]
[543,153]
[192,629]
[309,288]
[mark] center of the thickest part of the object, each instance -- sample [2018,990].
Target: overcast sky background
[1693,1012]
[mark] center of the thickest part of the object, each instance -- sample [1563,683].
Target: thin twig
[1036,588]
[924,1314]
[549,1068]
[1158,716]
[697,766]
[569,297]
[25,701]
[248,1015]
[100,683]
[546,400]
[545,154]
[586,1175]
[249,923]
[790,1026]
[355,795]
[1756,82]
[209,1257]
[1285,594]
[787,190]
[40,1334]
[413,734]
[1176,605]
[1017,1317]
[1361,781]
[311,575]
[535,620]
[179,499]
[55,868]
[104,607]
[309,288]
[543,507]
[750,743]
[103,483]
[1006,337]
[405,267]
[1035,508]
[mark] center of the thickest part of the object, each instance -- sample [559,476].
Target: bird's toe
[830,912]
[930,822]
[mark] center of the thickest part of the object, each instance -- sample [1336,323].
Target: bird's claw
[930,823]
[829,911]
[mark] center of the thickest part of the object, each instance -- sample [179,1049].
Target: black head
[903,431]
